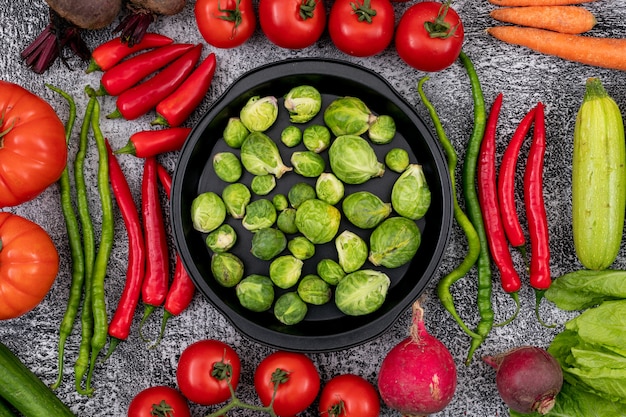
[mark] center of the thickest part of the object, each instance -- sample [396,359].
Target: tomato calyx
[337,409]
[5,131]
[307,7]
[364,11]
[231,15]
[162,409]
[439,28]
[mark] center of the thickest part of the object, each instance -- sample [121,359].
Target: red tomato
[292,24]
[225,23]
[167,401]
[195,366]
[361,27]
[349,396]
[414,42]
[299,390]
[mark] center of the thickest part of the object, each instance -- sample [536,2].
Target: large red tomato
[361,27]
[29,263]
[33,149]
[225,23]
[159,401]
[292,24]
[349,395]
[429,36]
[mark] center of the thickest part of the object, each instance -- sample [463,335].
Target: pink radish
[418,375]
[528,378]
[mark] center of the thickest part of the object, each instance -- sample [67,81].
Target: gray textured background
[523,76]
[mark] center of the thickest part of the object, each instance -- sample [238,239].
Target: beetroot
[418,376]
[141,13]
[528,379]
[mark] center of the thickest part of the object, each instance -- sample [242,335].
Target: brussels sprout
[329,188]
[307,163]
[268,243]
[348,116]
[316,138]
[330,271]
[301,247]
[227,269]
[290,309]
[362,292]
[255,292]
[260,214]
[410,195]
[236,198]
[382,130]
[286,221]
[235,132]
[227,166]
[291,136]
[260,156]
[365,209]
[314,290]
[299,193]
[222,239]
[394,242]
[259,113]
[263,184]
[353,160]
[318,221]
[397,159]
[208,212]
[285,271]
[280,202]
[303,103]
[352,251]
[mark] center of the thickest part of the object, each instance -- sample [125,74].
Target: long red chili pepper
[147,143]
[142,98]
[109,53]
[177,107]
[131,71]
[156,280]
[120,324]
[506,183]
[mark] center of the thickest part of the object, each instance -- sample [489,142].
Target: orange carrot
[537,2]
[564,19]
[599,52]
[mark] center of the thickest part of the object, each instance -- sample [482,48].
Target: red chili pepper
[128,73]
[120,324]
[147,143]
[156,280]
[142,98]
[109,53]
[488,197]
[177,107]
[506,183]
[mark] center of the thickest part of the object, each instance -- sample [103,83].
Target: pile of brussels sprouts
[287,227]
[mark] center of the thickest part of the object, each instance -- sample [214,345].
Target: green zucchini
[23,390]
[598,178]
[5,409]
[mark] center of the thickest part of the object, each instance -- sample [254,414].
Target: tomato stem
[364,11]
[439,28]
[162,409]
[231,15]
[306,9]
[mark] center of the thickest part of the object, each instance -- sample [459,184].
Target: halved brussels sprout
[227,166]
[329,188]
[362,292]
[365,209]
[314,290]
[260,214]
[394,242]
[382,130]
[236,198]
[351,250]
[316,138]
[268,243]
[286,221]
[227,269]
[285,271]
[353,160]
[348,116]
[397,159]
[410,194]
[289,308]
[221,239]
[255,292]
[318,221]
[259,113]
[299,193]
[330,271]
[208,212]
[307,163]
[291,136]
[235,132]
[263,184]
[301,247]
[280,202]
[260,156]
[303,103]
